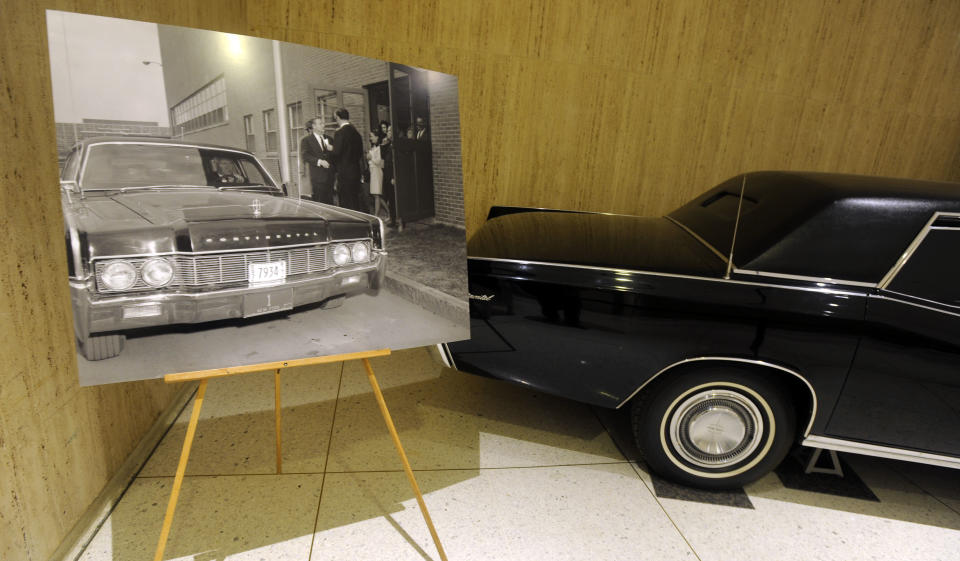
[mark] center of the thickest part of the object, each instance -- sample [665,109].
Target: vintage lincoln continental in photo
[164,232]
[777,308]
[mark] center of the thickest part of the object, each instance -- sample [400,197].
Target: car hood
[177,221]
[594,240]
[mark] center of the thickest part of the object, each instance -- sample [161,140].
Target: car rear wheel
[99,347]
[714,427]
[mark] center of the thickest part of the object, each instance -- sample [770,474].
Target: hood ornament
[256,206]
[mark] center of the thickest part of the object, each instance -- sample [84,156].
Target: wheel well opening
[794,387]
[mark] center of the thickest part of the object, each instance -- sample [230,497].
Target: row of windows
[205,108]
[326,104]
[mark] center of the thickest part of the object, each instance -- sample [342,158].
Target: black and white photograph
[230,200]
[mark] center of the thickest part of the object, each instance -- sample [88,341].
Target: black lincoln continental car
[166,232]
[777,308]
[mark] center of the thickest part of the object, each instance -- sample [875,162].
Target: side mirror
[69,186]
[286,192]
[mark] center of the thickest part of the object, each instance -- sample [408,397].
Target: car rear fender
[799,385]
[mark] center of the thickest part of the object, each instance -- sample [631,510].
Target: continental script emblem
[482,297]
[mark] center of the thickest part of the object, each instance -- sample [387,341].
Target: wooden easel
[205,375]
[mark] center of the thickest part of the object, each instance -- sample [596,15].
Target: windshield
[165,166]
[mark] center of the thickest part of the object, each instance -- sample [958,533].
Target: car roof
[155,140]
[823,225]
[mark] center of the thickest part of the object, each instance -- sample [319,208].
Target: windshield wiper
[174,186]
[256,186]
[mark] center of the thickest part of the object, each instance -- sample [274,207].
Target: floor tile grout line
[326,462]
[910,480]
[421,470]
[647,487]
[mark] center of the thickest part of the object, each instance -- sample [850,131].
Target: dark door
[412,149]
[904,387]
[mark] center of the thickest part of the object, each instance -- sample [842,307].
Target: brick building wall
[445,135]
[193,59]
[69,134]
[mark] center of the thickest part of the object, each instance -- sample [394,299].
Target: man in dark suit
[316,155]
[347,158]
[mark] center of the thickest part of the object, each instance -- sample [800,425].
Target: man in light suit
[347,157]
[315,153]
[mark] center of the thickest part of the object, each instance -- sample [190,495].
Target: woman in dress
[376,170]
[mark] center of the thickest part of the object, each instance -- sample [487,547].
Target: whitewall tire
[715,427]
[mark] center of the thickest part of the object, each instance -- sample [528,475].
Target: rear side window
[933,271]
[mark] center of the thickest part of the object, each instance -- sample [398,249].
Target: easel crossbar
[205,375]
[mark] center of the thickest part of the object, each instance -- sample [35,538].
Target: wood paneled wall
[629,107]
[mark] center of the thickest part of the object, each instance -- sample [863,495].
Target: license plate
[267,273]
[267,302]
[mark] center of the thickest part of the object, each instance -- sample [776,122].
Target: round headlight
[118,275]
[360,252]
[341,255]
[157,272]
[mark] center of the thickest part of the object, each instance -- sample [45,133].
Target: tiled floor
[507,473]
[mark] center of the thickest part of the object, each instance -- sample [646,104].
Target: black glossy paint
[590,306]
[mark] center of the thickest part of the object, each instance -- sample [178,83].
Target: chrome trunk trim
[823,289]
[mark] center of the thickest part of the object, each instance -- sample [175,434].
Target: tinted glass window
[118,166]
[933,271]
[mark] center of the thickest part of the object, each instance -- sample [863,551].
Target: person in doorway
[375,160]
[315,153]
[389,187]
[347,156]
[420,129]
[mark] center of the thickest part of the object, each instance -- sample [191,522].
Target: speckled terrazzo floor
[507,473]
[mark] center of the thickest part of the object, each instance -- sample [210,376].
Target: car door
[904,386]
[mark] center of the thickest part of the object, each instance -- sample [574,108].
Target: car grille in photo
[227,268]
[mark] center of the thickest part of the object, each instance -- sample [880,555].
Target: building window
[270,129]
[248,132]
[295,124]
[207,107]
[354,101]
[327,101]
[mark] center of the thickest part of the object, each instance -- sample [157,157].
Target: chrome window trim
[931,308]
[697,237]
[823,290]
[912,248]
[246,249]
[755,362]
[86,155]
[843,445]
[789,276]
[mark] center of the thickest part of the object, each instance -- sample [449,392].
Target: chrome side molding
[441,353]
[841,445]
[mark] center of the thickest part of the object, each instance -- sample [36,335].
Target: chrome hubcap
[716,428]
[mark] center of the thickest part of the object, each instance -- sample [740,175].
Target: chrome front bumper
[96,313]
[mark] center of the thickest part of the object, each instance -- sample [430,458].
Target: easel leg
[403,457]
[276,391]
[181,470]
